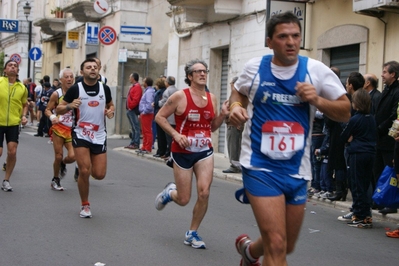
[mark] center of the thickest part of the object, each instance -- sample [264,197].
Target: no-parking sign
[107,35]
[16,58]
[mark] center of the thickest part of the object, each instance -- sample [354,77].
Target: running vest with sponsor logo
[280,121]
[67,118]
[90,125]
[195,124]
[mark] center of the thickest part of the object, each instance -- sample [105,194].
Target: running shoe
[194,240]
[346,218]
[56,185]
[242,243]
[394,233]
[76,175]
[6,186]
[4,166]
[85,212]
[163,198]
[63,170]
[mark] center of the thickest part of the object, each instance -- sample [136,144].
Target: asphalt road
[39,226]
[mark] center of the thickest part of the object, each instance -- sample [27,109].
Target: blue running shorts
[269,184]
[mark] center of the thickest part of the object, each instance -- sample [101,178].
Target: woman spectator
[360,133]
[161,135]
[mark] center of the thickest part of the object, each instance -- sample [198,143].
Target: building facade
[354,35]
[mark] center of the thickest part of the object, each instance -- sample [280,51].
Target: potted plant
[57,11]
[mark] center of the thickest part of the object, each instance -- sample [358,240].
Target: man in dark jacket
[371,85]
[385,114]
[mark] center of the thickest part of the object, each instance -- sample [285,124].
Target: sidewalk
[222,163]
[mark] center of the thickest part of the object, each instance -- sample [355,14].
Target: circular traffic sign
[107,35]
[35,53]
[100,6]
[16,58]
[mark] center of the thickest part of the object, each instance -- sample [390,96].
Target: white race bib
[199,140]
[281,139]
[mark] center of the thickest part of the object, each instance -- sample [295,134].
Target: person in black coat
[161,135]
[371,86]
[385,114]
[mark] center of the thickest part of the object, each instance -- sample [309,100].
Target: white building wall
[245,37]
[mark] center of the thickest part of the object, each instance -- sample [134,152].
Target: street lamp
[27,9]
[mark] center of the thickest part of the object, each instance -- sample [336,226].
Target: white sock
[248,253]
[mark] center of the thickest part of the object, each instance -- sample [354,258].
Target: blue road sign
[92,33]
[136,30]
[35,53]
[9,25]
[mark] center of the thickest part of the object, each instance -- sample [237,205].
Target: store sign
[298,7]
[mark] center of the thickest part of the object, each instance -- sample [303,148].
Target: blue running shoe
[163,198]
[194,240]
[241,196]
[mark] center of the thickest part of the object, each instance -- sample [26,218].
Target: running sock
[248,254]
[85,203]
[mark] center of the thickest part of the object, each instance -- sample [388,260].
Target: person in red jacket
[132,110]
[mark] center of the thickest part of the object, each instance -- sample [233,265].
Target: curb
[393,217]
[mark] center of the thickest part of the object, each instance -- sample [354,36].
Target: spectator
[170,89]
[316,162]
[360,133]
[31,99]
[233,142]
[385,113]
[161,135]
[147,115]
[371,86]
[326,174]
[132,105]
[38,92]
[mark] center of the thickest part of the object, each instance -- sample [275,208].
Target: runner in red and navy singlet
[196,117]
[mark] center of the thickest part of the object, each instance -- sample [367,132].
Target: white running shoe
[164,198]
[194,240]
[85,212]
[6,186]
